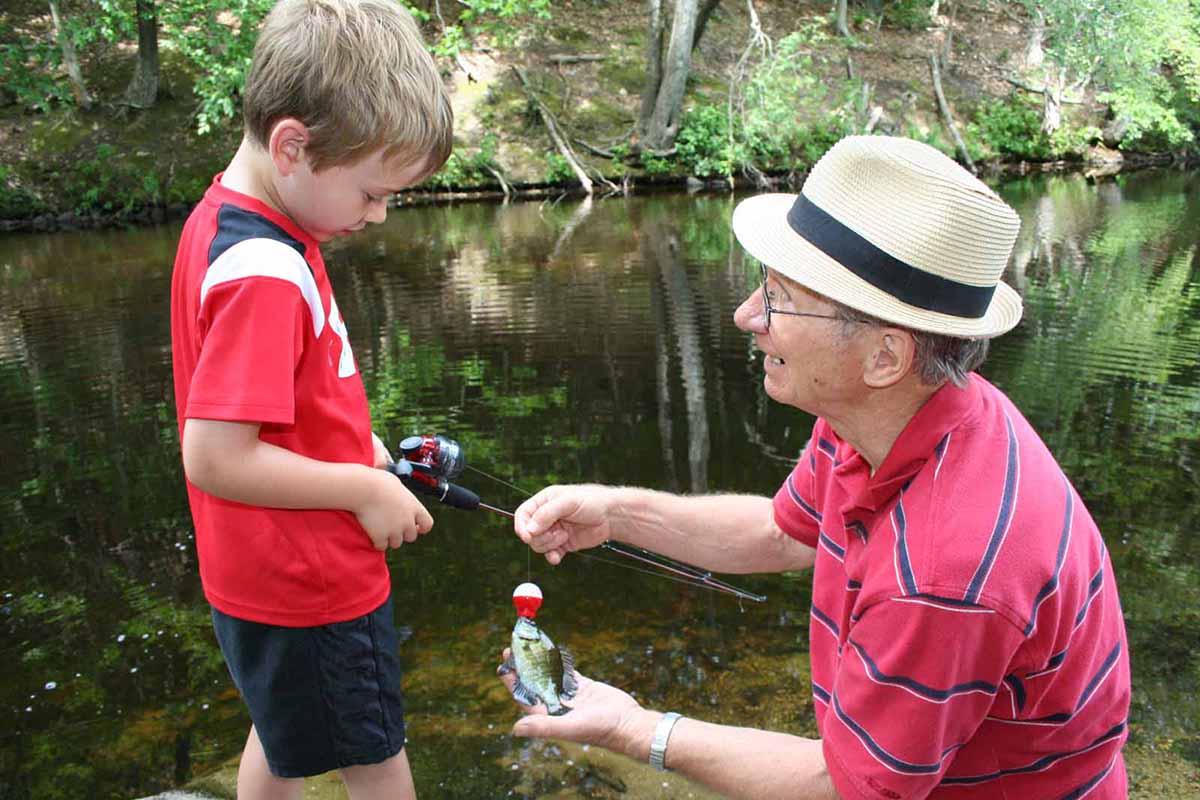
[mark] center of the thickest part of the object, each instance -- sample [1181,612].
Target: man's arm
[737,762]
[727,533]
[228,460]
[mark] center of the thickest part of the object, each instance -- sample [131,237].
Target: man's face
[809,363]
[340,200]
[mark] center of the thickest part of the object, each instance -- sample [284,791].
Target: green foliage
[15,201]
[654,165]
[477,18]
[558,169]
[1142,55]
[909,15]
[787,117]
[467,168]
[108,184]
[1009,128]
[29,67]
[218,46]
[704,146]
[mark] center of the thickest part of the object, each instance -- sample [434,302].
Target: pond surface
[557,342]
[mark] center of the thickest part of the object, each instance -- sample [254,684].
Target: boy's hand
[382,456]
[390,514]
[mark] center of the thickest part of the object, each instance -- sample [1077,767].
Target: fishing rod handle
[451,494]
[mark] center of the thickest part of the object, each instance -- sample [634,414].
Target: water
[556,342]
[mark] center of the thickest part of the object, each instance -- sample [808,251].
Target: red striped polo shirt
[966,635]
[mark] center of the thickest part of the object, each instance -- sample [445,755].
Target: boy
[343,107]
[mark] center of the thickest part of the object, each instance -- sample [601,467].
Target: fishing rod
[427,464]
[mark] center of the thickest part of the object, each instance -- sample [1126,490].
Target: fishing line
[664,567]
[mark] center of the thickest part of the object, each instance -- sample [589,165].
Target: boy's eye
[371,198]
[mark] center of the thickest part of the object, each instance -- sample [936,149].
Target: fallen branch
[564,148]
[503,183]
[569,58]
[947,115]
[1036,90]
[596,151]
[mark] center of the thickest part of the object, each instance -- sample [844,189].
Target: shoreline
[1092,168]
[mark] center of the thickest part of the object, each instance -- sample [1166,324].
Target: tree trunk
[664,121]
[947,115]
[143,89]
[706,11]
[843,27]
[82,98]
[654,42]
[1034,54]
[1052,107]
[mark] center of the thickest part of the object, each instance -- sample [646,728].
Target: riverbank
[69,168]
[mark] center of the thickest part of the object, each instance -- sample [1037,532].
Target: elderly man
[966,634]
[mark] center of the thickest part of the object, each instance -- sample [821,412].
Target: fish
[545,672]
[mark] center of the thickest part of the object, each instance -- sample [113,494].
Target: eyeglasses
[768,311]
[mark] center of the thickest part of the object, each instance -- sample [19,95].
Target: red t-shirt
[966,635]
[256,336]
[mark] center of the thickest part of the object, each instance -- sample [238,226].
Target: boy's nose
[377,210]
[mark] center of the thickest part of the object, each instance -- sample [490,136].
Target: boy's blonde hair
[357,74]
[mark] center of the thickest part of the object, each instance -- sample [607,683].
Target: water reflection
[556,341]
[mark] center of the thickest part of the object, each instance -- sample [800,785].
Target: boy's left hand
[382,456]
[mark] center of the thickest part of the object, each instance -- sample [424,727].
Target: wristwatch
[658,745]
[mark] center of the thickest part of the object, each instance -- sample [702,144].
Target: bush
[1010,128]
[467,168]
[703,145]
[558,169]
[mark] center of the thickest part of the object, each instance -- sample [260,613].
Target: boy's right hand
[390,513]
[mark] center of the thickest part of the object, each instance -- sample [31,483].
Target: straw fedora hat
[895,229]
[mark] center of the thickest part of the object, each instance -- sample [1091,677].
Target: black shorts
[320,698]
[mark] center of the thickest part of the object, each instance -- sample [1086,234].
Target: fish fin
[570,685]
[508,667]
[523,694]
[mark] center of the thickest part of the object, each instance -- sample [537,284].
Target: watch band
[658,745]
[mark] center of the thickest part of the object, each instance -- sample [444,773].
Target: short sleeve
[795,503]
[252,337]
[917,677]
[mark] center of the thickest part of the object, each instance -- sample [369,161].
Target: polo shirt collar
[942,413]
[218,193]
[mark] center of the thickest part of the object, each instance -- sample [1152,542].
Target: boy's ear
[289,138]
[891,357]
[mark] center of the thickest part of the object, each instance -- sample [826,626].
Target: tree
[70,59]
[666,80]
[843,26]
[143,88]
[1143,57]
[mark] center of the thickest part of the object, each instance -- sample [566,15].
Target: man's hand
[390,513]
[600,714]
[560,519]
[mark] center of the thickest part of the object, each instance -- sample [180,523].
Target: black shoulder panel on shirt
[237,224]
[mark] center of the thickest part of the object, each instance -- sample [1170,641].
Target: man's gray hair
[939,358]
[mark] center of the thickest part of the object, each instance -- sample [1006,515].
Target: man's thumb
[528,727]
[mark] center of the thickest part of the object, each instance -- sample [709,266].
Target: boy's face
[340,200]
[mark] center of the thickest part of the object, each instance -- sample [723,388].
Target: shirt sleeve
[917,677]
[795,503]
[252,337]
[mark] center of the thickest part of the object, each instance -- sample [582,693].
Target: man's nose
[750,315]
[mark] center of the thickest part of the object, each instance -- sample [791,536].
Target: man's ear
[892,356]
[287,143]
